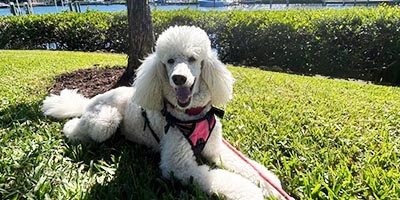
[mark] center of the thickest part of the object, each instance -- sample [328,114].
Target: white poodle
[170,109]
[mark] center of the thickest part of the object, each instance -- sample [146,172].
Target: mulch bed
[89,82]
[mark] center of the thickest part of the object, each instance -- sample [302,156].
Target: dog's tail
[68,104]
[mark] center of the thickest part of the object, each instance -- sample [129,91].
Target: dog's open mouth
[184,95]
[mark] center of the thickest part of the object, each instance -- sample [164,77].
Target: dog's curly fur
[185,72]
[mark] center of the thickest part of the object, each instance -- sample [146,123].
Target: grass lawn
[325,139]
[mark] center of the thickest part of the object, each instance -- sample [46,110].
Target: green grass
[325,139]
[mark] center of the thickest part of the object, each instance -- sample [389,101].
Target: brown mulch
[89,82]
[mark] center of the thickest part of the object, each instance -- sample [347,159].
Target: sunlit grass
[326,139]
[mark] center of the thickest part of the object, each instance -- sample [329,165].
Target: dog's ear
[218,79]
[148,83]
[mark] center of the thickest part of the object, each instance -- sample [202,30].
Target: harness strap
[173,121]
[147,124]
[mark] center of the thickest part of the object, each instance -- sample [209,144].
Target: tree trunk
[141,38]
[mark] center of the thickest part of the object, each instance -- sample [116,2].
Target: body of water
[119,7]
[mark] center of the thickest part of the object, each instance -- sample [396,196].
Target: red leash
[280,190]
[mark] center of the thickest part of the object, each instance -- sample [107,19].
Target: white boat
[211,3]
[3,5]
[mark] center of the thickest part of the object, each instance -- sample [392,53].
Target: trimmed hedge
[361,43]
[70,31]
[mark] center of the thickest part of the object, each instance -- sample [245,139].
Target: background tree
[141,38]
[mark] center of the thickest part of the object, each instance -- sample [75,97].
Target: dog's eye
[171,61]
[191,59]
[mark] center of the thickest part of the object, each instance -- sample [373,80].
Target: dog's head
[184,71]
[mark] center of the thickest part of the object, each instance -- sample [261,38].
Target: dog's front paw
[235,187]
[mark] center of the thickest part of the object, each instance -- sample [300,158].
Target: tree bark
[141,38]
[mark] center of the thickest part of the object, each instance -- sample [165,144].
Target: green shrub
[362,43]
[71,31]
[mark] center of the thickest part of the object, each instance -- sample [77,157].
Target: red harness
[196,131]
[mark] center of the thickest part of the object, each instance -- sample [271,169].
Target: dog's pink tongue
[183,94]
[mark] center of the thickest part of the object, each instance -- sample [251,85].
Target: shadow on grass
[134,169]
[22,130]
[389,75]
[19,114]
[137,175]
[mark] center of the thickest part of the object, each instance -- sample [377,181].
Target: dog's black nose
[179,79]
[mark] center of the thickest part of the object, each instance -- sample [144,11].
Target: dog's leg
[98,124]
[177,159]
[218,152]
[101,116]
